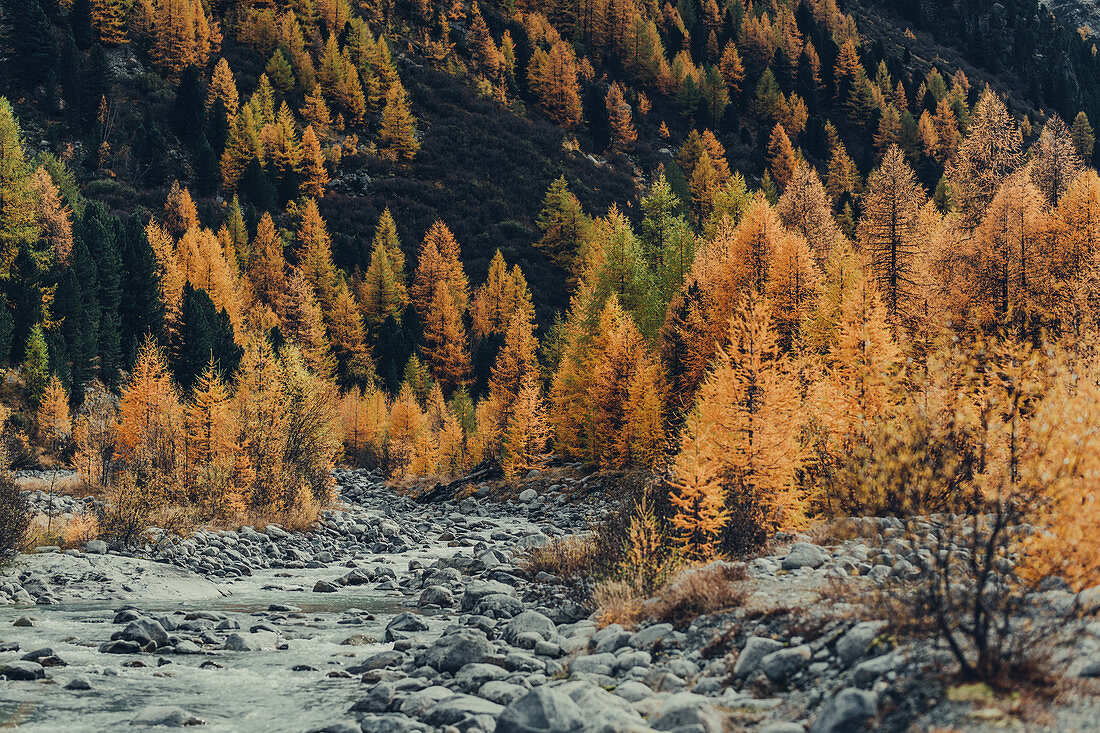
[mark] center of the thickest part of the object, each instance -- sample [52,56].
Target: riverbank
[397,616]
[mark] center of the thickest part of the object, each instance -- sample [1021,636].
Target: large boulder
[755,649]
[404,624]
[845,712]
[23,671]
[436,595]
[857,641]
[781,665]
[457,708]
[166,716]
[804,555]
[688,711]
[144,631]
[542,710]
[454,651]
[529,622]
[478,589]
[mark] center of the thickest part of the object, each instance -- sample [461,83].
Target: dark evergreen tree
[203,333]
[394,344]
[80,17]
[76,304]
[150,149]
[141,313]
[34,51]
[189,109]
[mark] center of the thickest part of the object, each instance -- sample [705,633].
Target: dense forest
[793,259]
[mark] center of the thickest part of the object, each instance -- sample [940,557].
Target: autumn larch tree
[805,208]
[697,494]
[150,416]
[988,155]
[619,116]
[748,408]
[889,232]
[53,421]
[781,157]
[1054,160]
[445,339]
[398,135]
[553,78]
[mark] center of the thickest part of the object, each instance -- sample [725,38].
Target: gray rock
[603,710]
[845,712]
[601,663]
[781,665]
[168,716]
[755,649]
[78,683]
[377,699]
[857,641]
[391,723]
[251,642]
[501,692]
[499,605]
[867,672]
[323,586]
[804,555]
[436,595]
[646,638]
[688,711]
[528,495]
[633,691]
[381,660]
[478,589]
[404,624]
[471,677]
[454,651]
[542,710]
[416,704]
[458,707]
[120,646]
[529,622]
[95,547]
[144,631]
[22,671]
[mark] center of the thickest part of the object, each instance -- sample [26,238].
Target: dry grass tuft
[569,558]
[80,530]
[618,604]
[700,590]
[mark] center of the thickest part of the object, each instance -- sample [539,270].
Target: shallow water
[253,691]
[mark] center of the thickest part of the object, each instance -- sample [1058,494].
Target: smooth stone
[78,683]
[633,691]
[845,712]
[436,595]
[458,707]
[168,716]
[542,710]
[781,665]
[22,671]
[804,555]
[755,649]
[685,710]
[95,547]
[529,622]
[454,651]
[857,641]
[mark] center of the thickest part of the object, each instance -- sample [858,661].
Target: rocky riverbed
[393,616]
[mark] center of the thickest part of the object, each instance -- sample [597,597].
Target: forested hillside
[753,269]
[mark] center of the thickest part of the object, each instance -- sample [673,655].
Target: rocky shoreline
[394,616]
